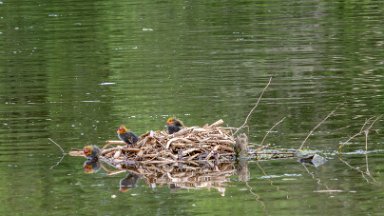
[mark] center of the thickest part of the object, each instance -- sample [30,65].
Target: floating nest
[191,145]
[194,157]
[210,143]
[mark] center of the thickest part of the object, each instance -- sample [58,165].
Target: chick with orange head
[174,125]
[127,136]
[91,151]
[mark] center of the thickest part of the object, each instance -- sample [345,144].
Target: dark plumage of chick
[127,136]
[91,152]
[174,125]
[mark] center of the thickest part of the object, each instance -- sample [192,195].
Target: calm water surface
[74,70]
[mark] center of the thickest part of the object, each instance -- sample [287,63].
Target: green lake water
[73,71]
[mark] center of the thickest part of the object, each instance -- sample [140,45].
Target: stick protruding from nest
[254,107]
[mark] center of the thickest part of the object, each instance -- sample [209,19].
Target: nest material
[189,145]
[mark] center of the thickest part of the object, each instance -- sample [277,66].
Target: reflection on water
[72,71]
[175,176]
[91,165]
[259,182]
[128,182]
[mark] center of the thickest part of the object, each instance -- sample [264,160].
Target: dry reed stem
[277,123]
[61,149]
[318,125]
[116,172]
[254,107]
[217,123]
[358,133]
[364,130]
[62,152]
[115,142]
[182,132]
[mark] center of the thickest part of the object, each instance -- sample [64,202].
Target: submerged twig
[317,179]
[265,174]
[254,107]
[277,123]
[270,179]
[318,125]
[366,132]
[62,152]
[366,150]
[363,174]
[366,161]
[257,196]
[61,159]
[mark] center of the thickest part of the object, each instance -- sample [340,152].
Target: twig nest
[210,142]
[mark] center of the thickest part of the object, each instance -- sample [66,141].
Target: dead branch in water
[61,149]
[62,152]
[366,132]
[318,125]
[270,130]
[363,130]
[254,107]
[357,134]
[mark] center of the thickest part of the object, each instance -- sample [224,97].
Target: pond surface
[72,71]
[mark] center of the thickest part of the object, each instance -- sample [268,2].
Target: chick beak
[87,151]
